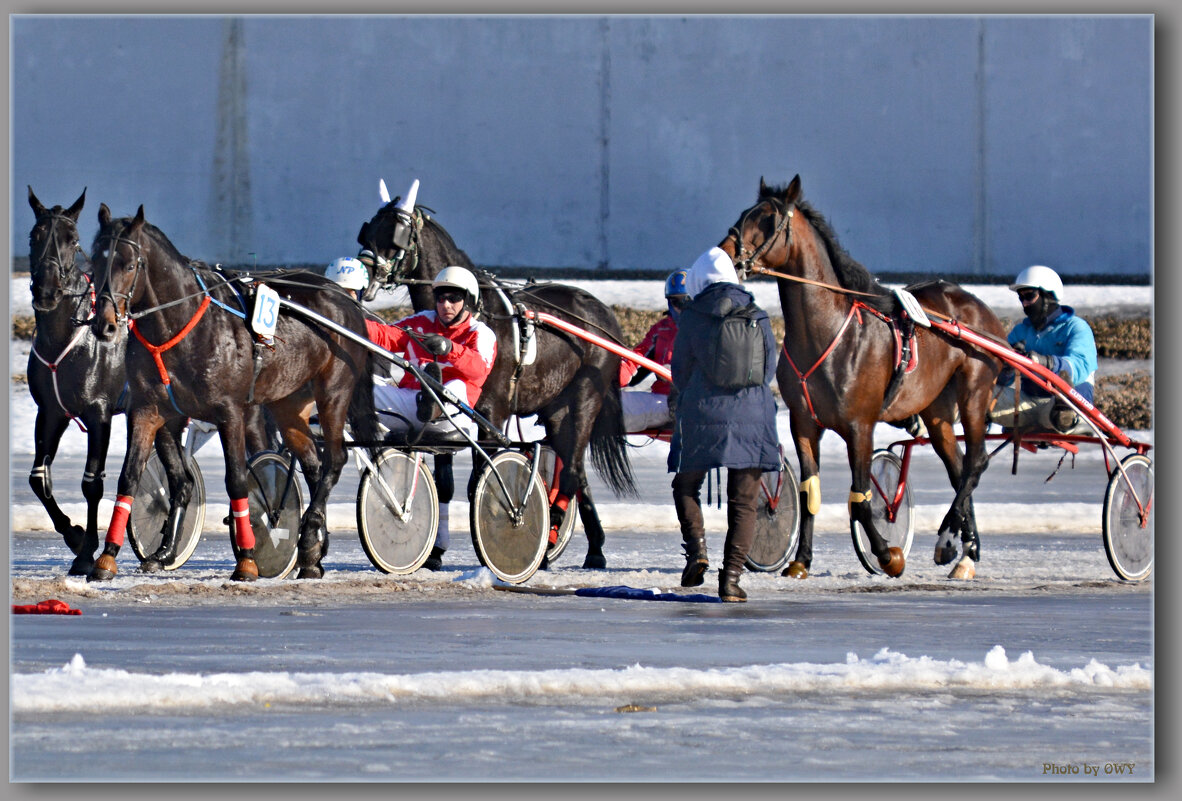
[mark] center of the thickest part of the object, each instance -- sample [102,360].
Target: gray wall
[952,145]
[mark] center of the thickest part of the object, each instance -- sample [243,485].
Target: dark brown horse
[194,354]
[571,385]
[838,360]
[74,377]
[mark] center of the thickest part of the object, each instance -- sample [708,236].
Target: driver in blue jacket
[1056,338]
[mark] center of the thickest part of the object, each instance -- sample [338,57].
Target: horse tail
[363,416]
[609,445]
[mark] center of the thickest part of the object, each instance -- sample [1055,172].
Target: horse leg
[591,524]
[180,491]
[98,438]
[859,447]
[142,425]
[291,416]
[47,434]
[445,486]
[976,460]
[313,543]
[232,432]
[807,437]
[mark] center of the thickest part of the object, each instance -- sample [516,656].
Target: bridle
[745,263]
[105,292]
[39,264]
[395,270]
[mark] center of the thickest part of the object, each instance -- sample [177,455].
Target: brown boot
[728,587]
[696,563]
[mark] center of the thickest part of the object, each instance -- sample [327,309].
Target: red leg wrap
[119,517]
[243,531]
[562,502]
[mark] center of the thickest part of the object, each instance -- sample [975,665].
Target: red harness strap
[855,309]
[156,350]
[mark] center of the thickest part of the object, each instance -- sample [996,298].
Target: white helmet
[348,272]
[459,278]
[1039,277]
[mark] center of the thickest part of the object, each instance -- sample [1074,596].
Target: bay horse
[571,385]
[188,360]
[836,375]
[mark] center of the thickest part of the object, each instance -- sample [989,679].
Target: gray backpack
[734,355]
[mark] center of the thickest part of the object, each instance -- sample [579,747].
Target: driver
[452,346]
[1054,337]
[651,409]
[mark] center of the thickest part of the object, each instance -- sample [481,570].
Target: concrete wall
[950,145]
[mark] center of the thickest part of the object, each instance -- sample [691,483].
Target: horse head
[762,234]
[53,247]
[386,241]
[118,258]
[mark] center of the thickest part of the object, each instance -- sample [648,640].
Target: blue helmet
[675,284]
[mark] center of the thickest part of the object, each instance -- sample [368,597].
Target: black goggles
[1027,295]
[449,296]
[678,302]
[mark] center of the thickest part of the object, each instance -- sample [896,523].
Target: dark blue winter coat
[716,427]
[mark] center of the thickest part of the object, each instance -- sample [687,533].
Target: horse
[184,362]
[74,377]
[849,380]
[571,385]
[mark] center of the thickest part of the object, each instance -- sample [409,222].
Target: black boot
[435,560]
[426,407]
[695,563]
[728,586]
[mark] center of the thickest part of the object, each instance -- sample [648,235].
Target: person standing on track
[646,410]
[1056,338]
[447,343]
[716,427]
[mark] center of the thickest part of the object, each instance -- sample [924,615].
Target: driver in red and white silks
[644,410]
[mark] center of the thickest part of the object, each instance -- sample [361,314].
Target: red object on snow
[50,607]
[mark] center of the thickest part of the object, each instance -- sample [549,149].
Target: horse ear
[762,187]
[792,193]
[104,214]
[76,209]
[35,204]
[139,218]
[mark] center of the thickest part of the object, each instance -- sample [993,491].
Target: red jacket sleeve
[390,337]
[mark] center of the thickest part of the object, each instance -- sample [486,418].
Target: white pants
[645,410]
[398,407]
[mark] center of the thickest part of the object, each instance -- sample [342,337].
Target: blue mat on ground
[632,593]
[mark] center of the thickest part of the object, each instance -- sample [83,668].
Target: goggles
[1027,295]
[449,296]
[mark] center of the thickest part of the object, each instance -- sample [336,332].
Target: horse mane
[851,274]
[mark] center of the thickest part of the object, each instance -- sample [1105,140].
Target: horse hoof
[966,569]
[82,565]
[104,569]
[313,572]
[151,565]
[246,570]
[796,570]
[894,563]
[74,539]
[595,562]
[945,555]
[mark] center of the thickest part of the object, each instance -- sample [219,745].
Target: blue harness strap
[218,303]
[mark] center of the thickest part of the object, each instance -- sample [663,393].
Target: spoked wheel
[510,534]
[149,511]
[397,512]
[1128,518]
[777,521]
[546,464]
[276,504]
[896,523]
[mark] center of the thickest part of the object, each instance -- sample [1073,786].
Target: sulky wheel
[149,511]
[276,504]
[777,522]
[397,512]
[547,473]
[1128,518]
[510,534]
[886,469]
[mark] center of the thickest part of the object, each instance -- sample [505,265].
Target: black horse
[570,384]
[188,360]
[74,377]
